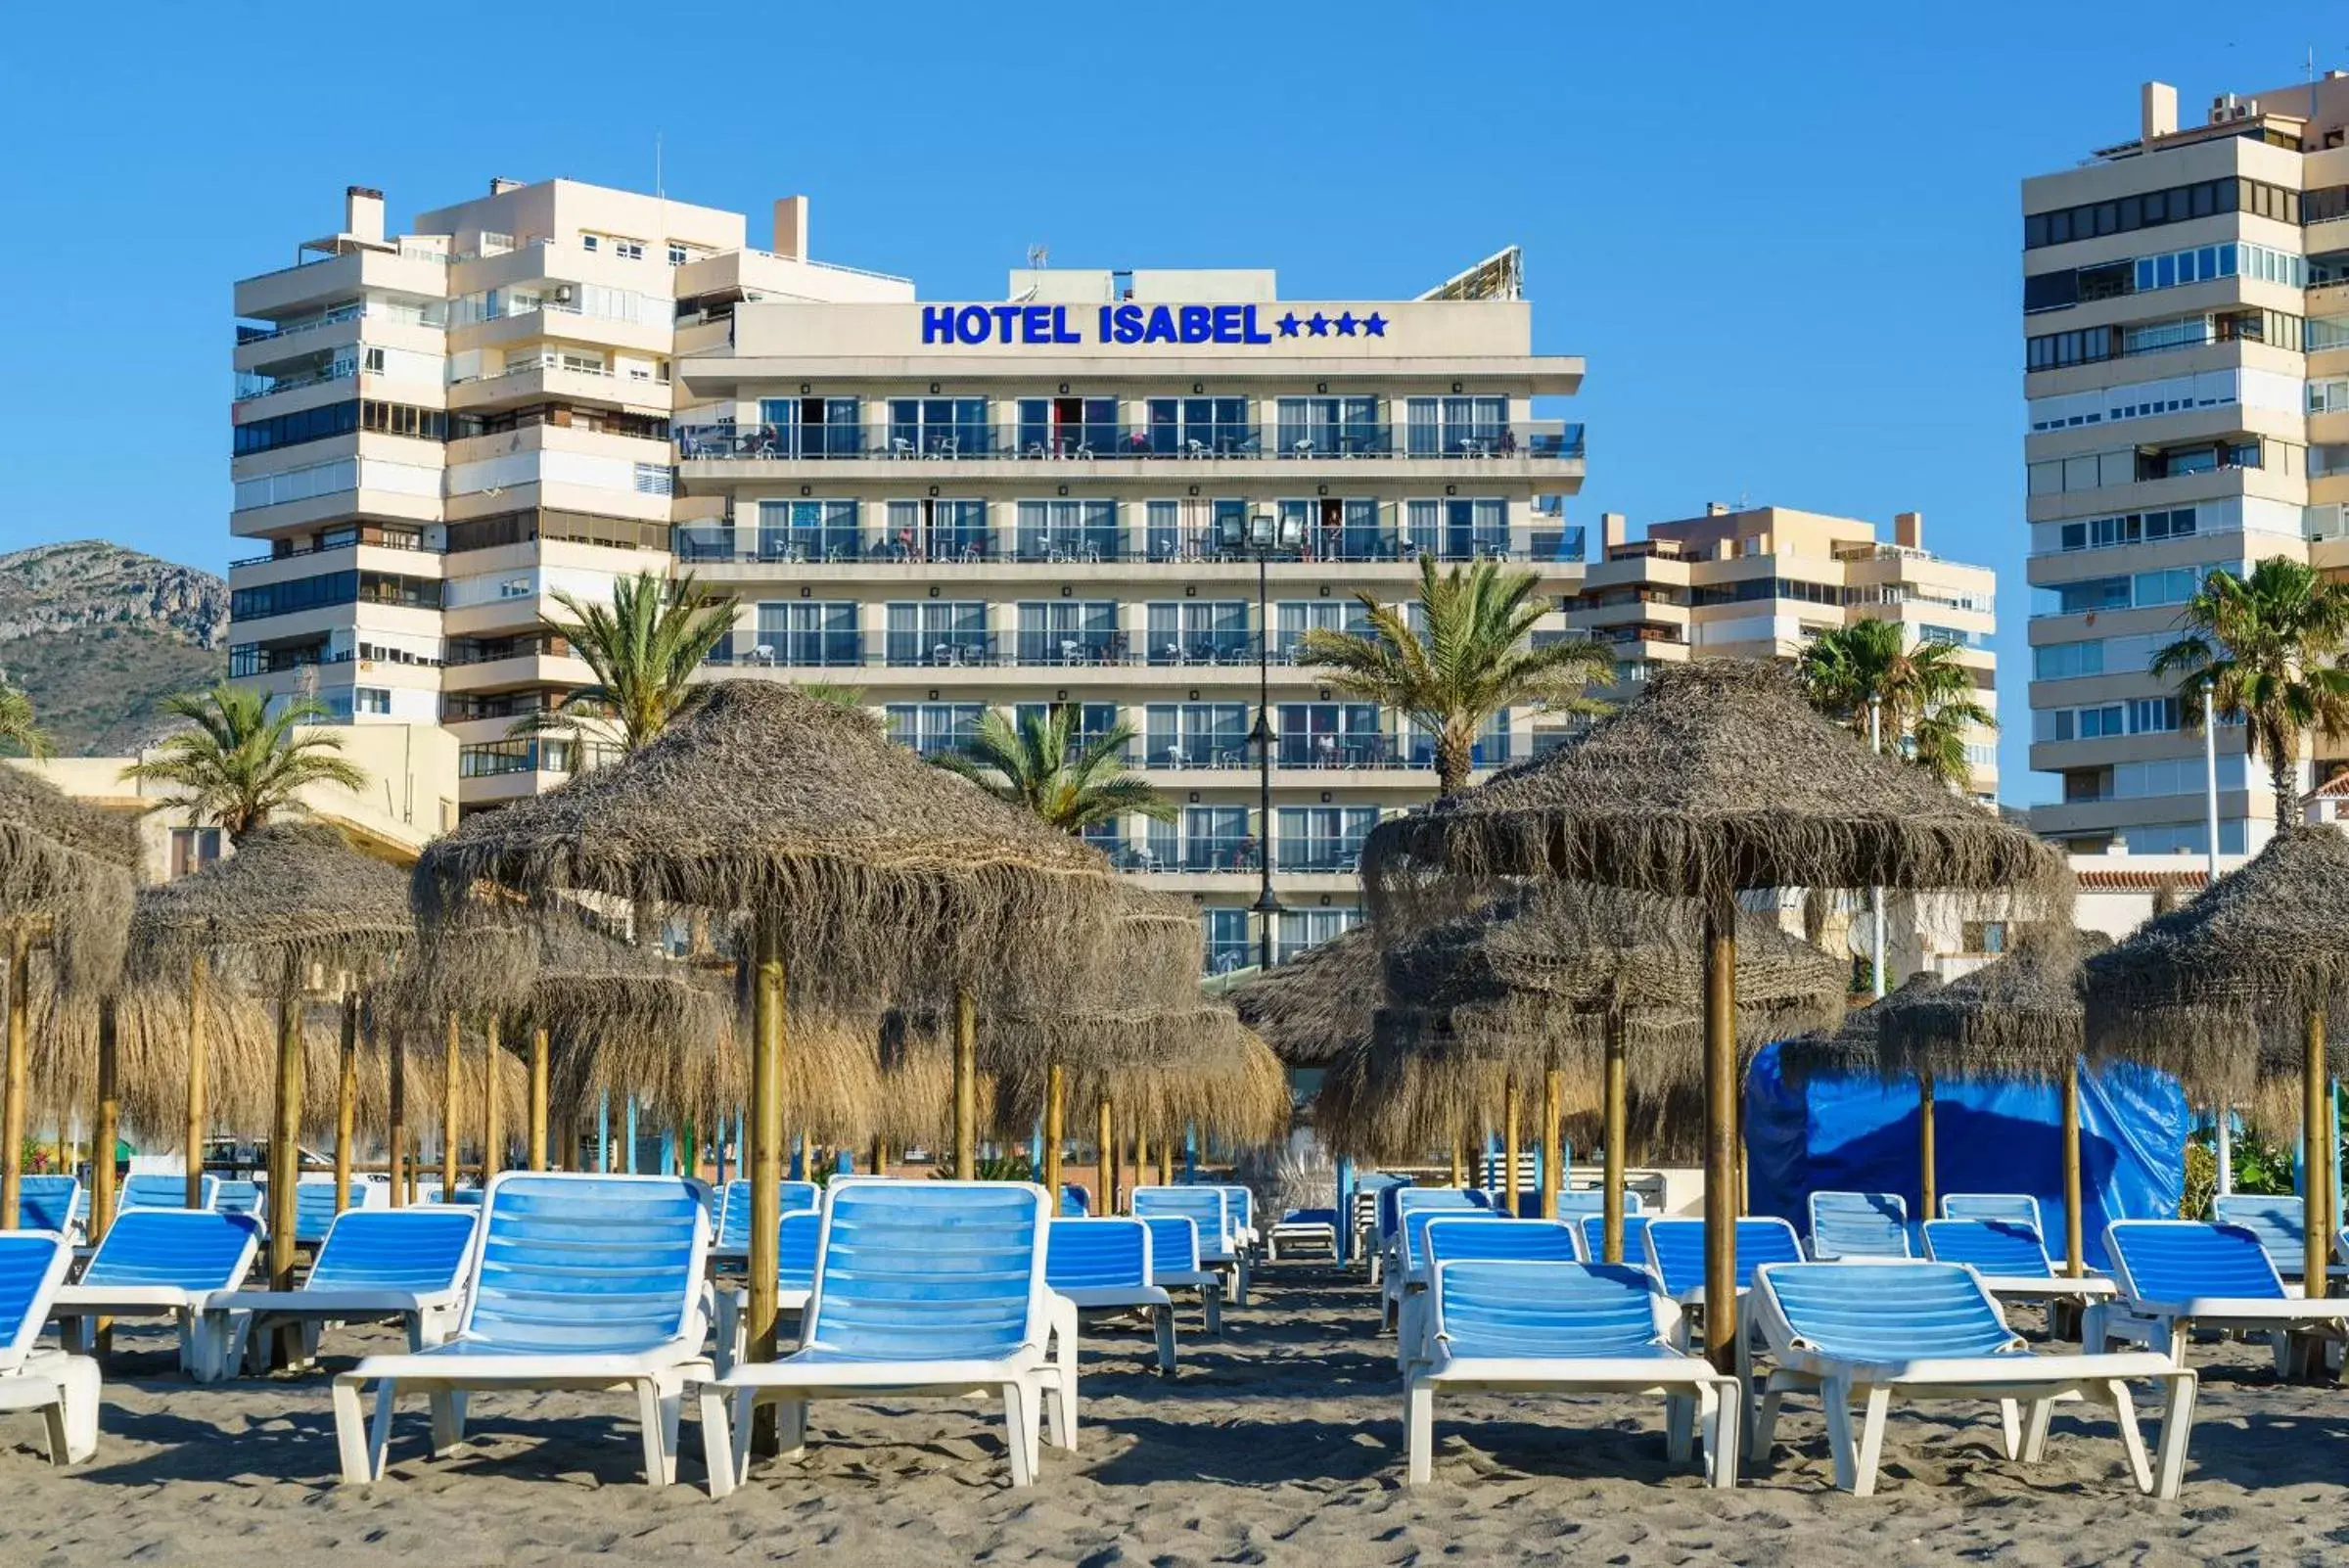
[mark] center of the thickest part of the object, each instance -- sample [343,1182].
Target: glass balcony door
[1195,735]
[1296,616]
[1329,427]
[1456,426]
[809,426]
[937,427]
[1338,528]
[1070,427]
[1322,838]
[1301,929]
[1065,631]
[1229,946]
[1068,530]
[1330,735]
[939,632]
[1458,530]
[931,530]
[1095,721]
[1192,631]
[809,530]
[807,632]
[932,727]
[1201,426]
[1212,838]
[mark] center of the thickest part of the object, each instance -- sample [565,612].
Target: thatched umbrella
[66,874]
[1715,779]
[866,874]
[292,894]
[1565,976]
[2223,991]
[1311,1007]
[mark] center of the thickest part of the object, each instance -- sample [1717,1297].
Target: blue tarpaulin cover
[1858,1135]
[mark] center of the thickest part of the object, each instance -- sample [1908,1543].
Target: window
[1337,528]
[2174,586]
[1458,530]
[334,588]
[1293,618]
[809,631]
[1229,946]
[371,700]
[1301,929]
[2067,661]
[1984,935]
[629,249]
[1074,427]
[939,427]
[1198,427]
[1070,631]
[932,727]
[809,530]
[936,530]
[678,255]
[655,478]
[1199,631]
[1195,735]
[2153,209]
[1325,427]
[590,242]
[193,849]
[1321,838]
[1211,838]
[2152,716]
[2133,528]
[291,430]
[1094,722]
[1067,531]
[1467,425]
[940,632]
[1331,735]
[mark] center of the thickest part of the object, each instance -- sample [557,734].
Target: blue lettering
[1162,326]
[1129,324]
[938,323]
[1197,323]
[973,324]
[1060,326]
[1106,312]
[1035,324]
[1250,332]
[1228,324]
[1006,315]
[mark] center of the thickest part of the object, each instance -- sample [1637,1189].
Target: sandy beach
[1280,1444]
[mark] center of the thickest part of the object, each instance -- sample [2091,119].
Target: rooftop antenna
[1038,257]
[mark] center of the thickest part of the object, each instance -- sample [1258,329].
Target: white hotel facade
[947,506]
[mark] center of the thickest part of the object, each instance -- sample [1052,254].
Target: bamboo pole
[284,1150]
[1166,1161]
[404,1170]
[1611,1134]
[2316,1130]
[19,1052]
[880,1156]
[767,1163]
[493,1134]
[539,1068]
[347,1095]
[1459,1160]
[1104,1154]
[110,1112]
[1925,1159]
[2068,1096]
[966,1088]
[198,976]
[1509,1146]
[1553,1172]
[451,1089]
[1721,1134]
[1141,1153]
[1055,1094]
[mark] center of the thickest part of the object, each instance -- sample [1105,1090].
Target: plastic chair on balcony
[899,446]
[765,653]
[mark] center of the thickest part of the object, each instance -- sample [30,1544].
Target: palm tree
[643,649]
[1042,763]
[243,765]
[16,727]
[1473,662]
[2264,646]
[1923,697]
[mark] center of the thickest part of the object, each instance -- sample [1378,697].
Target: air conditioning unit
[562,294]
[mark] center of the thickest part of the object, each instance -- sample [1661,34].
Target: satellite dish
[1860,939]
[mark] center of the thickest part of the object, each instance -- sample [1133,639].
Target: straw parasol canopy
[1317,1003]
[68,871]
[295,891]
[2017,1017]
[1857,1044]
[874,872]
[628,1019]
[1718,777]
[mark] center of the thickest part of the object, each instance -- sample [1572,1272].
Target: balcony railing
[486,653]
[941,650]
[1342,854]
[1340,752]
[1206,853]
[962,443]
[371,537]
[848,546]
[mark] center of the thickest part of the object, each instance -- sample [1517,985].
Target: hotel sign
[1060,324]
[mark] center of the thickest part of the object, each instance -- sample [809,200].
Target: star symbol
[1375,324]
[1346,325]
[1287,325]
[1319,324]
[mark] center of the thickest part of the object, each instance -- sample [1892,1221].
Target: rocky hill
[97,635]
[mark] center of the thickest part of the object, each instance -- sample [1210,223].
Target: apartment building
[2185,312]
[1759,582]
[1047,499]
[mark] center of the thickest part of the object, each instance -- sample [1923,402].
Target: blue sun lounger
[1103,1266]
[1210,1208]
[49,1203]
[580,1281]
[1565,1328]
[164,1189]
[1859,1224]
[1450,1237]
[161,1262]
[795,1280]
[2177,1276]
[732,1243]
[2014,1267]
[1861,1332]
[375,1264]
[2278,1221]
[62,1386]
[1174,1266]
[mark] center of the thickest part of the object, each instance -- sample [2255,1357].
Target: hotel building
[2185,312]
[945,506]
[1759,582]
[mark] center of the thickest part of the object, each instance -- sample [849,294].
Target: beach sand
[1280,1444]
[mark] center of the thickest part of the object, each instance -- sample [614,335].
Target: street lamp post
[1263,535]
[2223,1130]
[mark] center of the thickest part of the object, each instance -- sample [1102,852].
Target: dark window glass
[2204,197]
[2132,211]
[2060,227]
[2035,231]
[2052,290]
[2108,216]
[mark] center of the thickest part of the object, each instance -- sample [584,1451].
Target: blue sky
[1785,238]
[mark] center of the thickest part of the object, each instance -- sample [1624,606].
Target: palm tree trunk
[2279,779]
[1455,756]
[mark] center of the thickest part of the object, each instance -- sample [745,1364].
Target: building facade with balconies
[2185,309]
[1759,582]
[952,507]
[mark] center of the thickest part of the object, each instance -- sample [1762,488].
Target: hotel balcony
[713,551]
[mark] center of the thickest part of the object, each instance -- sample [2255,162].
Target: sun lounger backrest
[2279,1221]
[1390,1211]
[1076,1201]
[1450,1237]
[1209,1207]
[1859,1224]
[47,1203]
[2180,1260]
[800,1241]
[1102,1254]
[33,1265]
[1593,1201]
[396,1249]
[2009,1208]
[1999,1248]
[1883,1312]
[586,1262]
[1242,1205]
[1416,1220]
[1675,1249]
[734,1211]
[166,1189]
[235,1196]
[1174,1244]
[193,1249]
[1546,1310]
[1595,1234]
[929,1270]
[314,1204]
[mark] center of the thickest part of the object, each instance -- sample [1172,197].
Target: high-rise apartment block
[2185,310]
[1759,582]
[1045,500]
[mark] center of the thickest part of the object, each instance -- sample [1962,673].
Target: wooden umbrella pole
[880,1156]
[1721,1132]
[451,1088]
[1105,1154]
[538,1087]
[1055,1097]
[347,1095]
[966,1087]
[110,1112]
[1166,1161]
[494,1132]
[1554,1171]
[198,976]
[1925,1161]
[2075,1262]
[765,1161]
[395,1071]
[1509,1143]
[1459,1160]
[20,1049]
[285,1150]
[1141,1153]
[1610,1178]
[2315,1130]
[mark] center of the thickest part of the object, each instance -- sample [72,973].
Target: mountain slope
[97,635]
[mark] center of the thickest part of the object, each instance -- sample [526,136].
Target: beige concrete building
[1759,582]
[947,506]
[2186,299]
